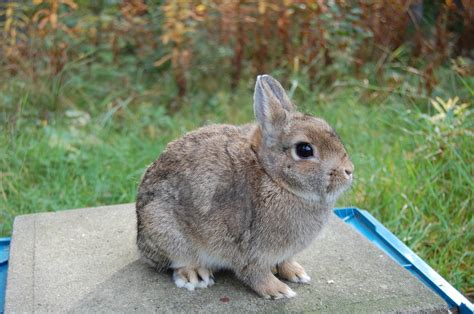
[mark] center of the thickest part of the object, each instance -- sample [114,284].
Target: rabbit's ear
[271,105]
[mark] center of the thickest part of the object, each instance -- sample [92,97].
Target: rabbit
[243,198]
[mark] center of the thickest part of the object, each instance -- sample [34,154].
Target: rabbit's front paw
[292,271]
[193,277]
[272,288]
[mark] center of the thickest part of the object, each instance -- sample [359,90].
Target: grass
[85,140]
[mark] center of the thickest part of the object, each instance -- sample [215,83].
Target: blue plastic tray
[374,231]
[4,252]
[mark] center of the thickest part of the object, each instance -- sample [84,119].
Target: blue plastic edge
[373,230]
[4,254]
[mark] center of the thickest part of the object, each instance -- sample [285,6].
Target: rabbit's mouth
[337,185]
[339,180]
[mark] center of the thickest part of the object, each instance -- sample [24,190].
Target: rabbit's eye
[304,150]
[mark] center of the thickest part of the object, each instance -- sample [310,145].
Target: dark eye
[304,150]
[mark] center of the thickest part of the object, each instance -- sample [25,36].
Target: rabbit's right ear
[271,105]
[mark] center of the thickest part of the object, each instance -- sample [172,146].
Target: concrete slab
[86,261]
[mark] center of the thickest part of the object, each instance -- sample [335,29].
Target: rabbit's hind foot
[193,277]
[292,271]
[272,288]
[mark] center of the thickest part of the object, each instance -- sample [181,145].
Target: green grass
[85,140]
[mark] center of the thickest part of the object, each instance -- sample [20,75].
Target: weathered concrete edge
[67,211]
[22,273]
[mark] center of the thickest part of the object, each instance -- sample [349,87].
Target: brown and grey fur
[234,197]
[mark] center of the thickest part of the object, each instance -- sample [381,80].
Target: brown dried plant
[315,38]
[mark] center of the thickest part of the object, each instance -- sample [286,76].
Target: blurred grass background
[91,92]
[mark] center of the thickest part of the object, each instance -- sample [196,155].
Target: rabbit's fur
[240,198]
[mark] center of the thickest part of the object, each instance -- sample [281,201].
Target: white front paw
[192,278]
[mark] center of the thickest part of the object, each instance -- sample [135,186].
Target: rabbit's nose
[348,173]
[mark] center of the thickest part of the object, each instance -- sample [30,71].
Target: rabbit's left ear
[271,105]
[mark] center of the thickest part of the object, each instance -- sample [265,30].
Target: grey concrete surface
[85,260]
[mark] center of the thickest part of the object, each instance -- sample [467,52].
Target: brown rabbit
[245,198]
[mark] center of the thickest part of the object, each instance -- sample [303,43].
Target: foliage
[318,39]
